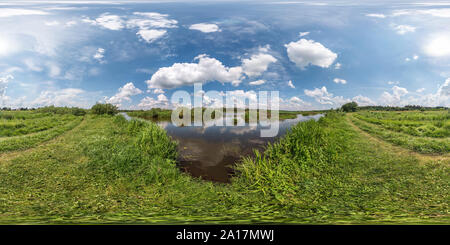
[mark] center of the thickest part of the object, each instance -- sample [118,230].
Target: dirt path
[8,156]
[397,149]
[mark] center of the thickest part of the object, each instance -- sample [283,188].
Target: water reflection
[210,151]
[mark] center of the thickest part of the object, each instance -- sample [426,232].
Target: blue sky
[136,54]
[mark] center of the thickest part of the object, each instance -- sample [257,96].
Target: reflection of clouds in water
[241,130]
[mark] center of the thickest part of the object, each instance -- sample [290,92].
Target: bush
[62,110]
[101,109]
[349,107]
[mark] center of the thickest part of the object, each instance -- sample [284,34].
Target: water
[210,152]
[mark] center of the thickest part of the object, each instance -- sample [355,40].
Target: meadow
[104,169]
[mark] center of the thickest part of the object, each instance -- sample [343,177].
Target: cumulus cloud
[151,35]
[444,90]
[258,82]
[394,98]
[152,20]
[403,29]
[63,97]
[393,82]
[257,64]
[308,52]
[124,94]
[108,21]
[363,101]
[148,102]
[337,66]
[420,90]
[207,69]
[3,86]
[290,84]
[322,96]
[205,27]
[158,91]
[339,80]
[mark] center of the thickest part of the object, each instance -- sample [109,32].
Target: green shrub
[100,109]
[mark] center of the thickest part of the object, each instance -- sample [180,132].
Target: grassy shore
[108,170]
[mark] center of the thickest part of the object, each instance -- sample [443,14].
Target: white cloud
[394,98]
[393,82]
[324,97]
[158,91]
[420,90]
[151,20]
[99,55]
[151,35]
[339,80]
[124,94]
[205,27]
[53,69]
[363,101]
[302,34]
[258,82]
[338,66]
[63,97]
[207,69]
[9,12]
[381,16]
[290,84]
[3,86]
[442,13]
[31,65]
[415,57]
[71,23]
[403,29]
[257,64]
[444,90]
[305,52]
[108,21]
[51,23]
[160,102]
[151,25]
[438,45]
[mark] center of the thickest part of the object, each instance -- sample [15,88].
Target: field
[424,132]
[355,168]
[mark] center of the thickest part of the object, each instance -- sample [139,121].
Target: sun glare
[5,46]
[439,46]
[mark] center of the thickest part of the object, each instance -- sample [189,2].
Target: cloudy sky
[137,54]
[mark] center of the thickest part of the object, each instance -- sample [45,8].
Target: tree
[349,107]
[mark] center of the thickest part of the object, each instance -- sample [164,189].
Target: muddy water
[210,152]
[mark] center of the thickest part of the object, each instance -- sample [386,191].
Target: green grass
[415,143]
[29,122]
[109,170]
[434,124]
[32,139]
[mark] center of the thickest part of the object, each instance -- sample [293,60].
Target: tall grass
[138,151]
[283,165]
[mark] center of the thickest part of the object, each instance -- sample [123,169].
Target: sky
[318,55]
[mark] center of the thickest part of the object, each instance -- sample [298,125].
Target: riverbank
[108,170]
